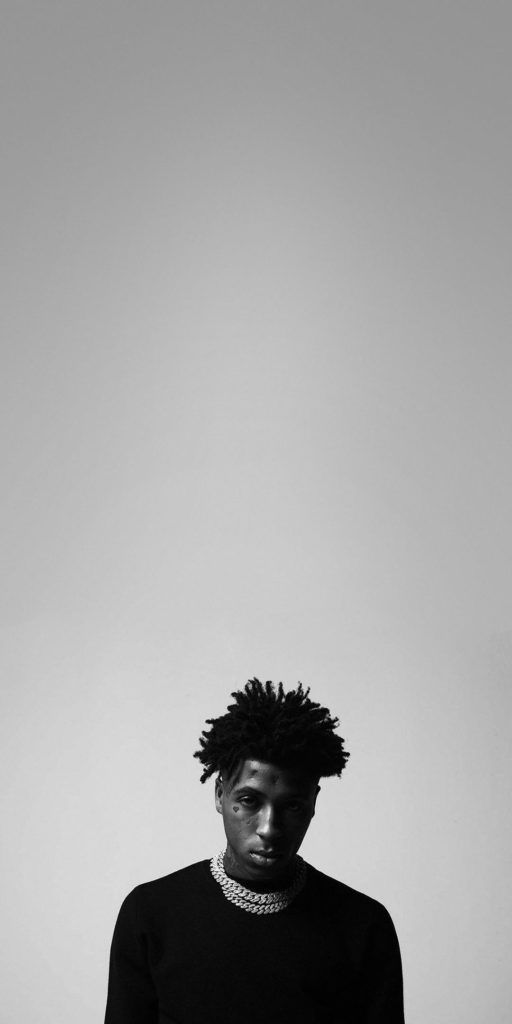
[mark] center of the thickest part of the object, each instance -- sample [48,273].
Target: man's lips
[265,856]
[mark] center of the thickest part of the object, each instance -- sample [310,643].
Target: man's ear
[219,793]
[314,800]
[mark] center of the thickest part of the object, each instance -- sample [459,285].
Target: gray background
[256,420]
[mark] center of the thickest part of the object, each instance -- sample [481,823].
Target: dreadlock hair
[266,723]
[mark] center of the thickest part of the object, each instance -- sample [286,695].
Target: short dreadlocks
[282,728]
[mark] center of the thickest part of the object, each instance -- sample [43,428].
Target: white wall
[256,420]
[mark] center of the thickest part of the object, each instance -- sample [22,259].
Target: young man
[256,935]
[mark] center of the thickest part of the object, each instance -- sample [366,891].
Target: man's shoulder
[188,875]
[338,894]
[176,884]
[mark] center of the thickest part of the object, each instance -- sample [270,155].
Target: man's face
[266,811]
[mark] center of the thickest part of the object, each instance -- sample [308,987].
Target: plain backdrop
[256,420]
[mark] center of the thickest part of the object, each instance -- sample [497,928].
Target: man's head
[266,810]
[270,749]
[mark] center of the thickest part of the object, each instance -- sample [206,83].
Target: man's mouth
[266,858]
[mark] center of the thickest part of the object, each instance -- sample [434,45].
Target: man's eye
[247,801]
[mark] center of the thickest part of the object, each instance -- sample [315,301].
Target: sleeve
[383,983]
[131,997]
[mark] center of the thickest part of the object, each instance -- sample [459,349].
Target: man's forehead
[257,772]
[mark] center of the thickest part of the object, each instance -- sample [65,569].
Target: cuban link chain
[257,902]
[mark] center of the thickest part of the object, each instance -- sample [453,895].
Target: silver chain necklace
[257,902]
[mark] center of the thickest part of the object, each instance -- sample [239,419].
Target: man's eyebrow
[254,791]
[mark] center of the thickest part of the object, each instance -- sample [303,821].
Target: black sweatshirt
[183,954]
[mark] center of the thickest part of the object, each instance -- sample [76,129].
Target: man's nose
[268,823]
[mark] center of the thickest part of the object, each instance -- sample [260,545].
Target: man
[256,935]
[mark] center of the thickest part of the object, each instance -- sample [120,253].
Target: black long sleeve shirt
[182,953]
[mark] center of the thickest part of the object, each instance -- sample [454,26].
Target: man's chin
[270,869]
[254,867]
